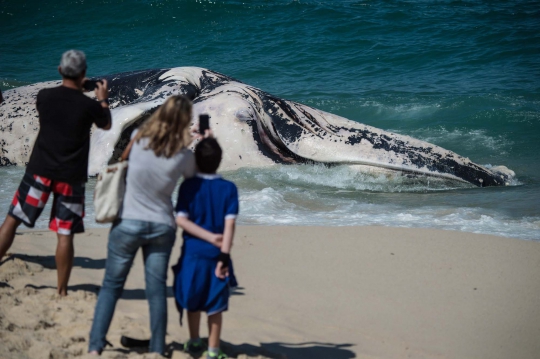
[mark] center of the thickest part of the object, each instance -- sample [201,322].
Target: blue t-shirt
[206,200]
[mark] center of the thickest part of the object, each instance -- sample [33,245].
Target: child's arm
[228,235]
[199,232]
[222,268]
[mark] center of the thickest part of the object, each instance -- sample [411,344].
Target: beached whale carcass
[255,128]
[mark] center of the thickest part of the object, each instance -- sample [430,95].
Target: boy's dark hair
[208,155]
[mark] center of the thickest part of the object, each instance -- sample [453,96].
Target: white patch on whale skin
[102,142]
[234,135]
[19,123]
[507,173]
[190,75]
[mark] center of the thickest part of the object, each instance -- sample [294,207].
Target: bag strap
[125,154]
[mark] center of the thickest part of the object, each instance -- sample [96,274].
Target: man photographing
[59,161]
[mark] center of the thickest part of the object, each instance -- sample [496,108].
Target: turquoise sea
[464,75]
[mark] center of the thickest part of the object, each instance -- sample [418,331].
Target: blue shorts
[196,287]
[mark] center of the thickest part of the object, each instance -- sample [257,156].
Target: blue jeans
[125,238]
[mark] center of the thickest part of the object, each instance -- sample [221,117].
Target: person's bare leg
[7,234]
[194,320]
[64,261]
[214,329]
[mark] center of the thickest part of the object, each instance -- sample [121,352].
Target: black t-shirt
[61,149]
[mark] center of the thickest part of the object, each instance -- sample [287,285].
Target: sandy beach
[305,292]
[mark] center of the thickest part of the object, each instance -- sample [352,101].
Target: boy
[206,210]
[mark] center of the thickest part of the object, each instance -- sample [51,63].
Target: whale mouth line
[270,147]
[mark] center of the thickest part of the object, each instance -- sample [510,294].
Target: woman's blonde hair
[168,128]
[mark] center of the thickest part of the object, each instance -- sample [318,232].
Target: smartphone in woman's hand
[204,123]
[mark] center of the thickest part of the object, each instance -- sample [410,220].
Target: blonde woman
[158,156]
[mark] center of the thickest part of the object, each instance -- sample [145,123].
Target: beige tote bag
[109,192]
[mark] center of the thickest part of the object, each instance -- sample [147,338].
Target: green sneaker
[220,355]
[194,347]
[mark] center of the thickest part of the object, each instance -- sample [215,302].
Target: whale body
[255,128]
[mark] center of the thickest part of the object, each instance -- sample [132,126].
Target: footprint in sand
[14,267]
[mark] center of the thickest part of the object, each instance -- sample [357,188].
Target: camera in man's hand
[91,85]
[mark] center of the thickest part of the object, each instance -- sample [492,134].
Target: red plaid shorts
[67,209]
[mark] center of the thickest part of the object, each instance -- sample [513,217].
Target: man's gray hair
[73,63]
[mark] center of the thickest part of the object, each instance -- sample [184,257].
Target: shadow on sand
[127,294]
[90,263]
[49,261]
[276,350]
[5,285]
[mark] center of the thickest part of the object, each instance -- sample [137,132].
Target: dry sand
[306,292]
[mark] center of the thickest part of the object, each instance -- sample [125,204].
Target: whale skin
[255,128]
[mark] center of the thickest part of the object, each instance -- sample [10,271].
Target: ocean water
[464,75]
